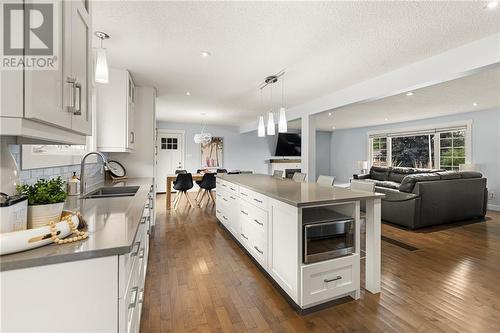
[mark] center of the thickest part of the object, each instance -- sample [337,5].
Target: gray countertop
[112,225]
[295,193]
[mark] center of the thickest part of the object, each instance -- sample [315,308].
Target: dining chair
[299,177]
[207,184]
[278,174]
[178,171]
[221,171]
[364,186]
[325,180]
[183,184]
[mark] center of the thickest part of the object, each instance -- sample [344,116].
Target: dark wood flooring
[199,280]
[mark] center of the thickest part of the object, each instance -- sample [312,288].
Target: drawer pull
[258,250]
[259,201]
[224,199]
[218,211]
[224,185]
[136,252]
[243,235]
[225,218]
[244,194]
[232,189]
[141,254]
[143,220]
[259,223]
[334,279]
[244,212]
[232,197]
[133,303]
[141,296]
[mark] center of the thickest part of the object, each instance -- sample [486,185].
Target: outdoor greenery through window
[432,149]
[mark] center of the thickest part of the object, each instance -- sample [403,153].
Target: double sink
[111,192]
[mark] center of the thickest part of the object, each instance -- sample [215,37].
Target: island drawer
[256,216]
[325,280]
[127,261]
[254,198]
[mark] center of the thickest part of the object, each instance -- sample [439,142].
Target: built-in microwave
[328,239]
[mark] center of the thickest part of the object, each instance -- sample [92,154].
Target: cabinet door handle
[338,277]
[78,112]
[72,95]
[244,194]
[133,303]
[136,252]
[225,218]
[259,201]
[244,212]
[143,220]
[258,250]
[141,254]
[141,296]
[259,223]
[132,137]
[243,235]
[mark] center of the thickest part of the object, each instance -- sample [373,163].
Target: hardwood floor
[199,280]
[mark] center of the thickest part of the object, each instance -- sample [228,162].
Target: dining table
[170,181]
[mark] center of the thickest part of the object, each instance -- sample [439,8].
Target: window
[379,151]
[452,149]
[436,148]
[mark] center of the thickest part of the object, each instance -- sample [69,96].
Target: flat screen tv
[288,144]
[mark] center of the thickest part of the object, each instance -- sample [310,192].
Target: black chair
[207,184]
[184,183]
[179,171]
[221,171]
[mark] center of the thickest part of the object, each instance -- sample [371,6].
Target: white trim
[494,207]
[389,132]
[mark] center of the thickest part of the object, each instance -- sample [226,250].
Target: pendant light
[261,130]
[101,64]
[270,118]
[282,122]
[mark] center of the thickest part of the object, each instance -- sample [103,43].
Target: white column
[373,251]
[308,148]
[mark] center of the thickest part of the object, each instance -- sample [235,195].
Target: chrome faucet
[82,169]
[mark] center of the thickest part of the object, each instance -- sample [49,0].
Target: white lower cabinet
[271,232]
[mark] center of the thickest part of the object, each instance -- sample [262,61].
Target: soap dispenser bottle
[74,185]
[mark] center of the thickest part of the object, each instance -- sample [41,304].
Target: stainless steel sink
[110,192]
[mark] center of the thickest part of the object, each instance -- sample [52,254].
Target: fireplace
[289,172]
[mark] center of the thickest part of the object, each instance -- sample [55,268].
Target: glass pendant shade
[270,124]
[282,122]
[101,66]
[261,130]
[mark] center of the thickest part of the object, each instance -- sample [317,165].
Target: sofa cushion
[379,173]
[387,184]
[447,175]
[398,173]
[470,174]
[409,181]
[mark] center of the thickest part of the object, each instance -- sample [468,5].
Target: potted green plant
[45,201]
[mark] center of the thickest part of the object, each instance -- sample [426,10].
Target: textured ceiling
[452,97]
[324,46]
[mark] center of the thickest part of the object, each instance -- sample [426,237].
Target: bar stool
[207,184]
[184,183]
[278,174]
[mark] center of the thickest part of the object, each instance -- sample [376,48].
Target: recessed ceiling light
[409,93]
[205,54]
[492,5]
[333,127]
[188,93]
[386,119]
[474,104]
[329,113]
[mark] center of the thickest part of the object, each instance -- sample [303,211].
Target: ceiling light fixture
[270,119]
[492,5]
[261,130]
[202,137]
[282,121]
[101,63]
[329,114]
[205,54]
[474,104]
[409,93]
[188,93]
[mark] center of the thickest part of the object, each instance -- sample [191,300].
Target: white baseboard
[494,207]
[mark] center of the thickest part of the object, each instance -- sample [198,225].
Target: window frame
[436,129]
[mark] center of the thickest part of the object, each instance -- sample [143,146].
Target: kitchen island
[99,280]
[268,217]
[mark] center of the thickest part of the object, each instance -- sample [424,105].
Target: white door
[170,156]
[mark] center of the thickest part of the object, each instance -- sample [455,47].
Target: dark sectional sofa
[417,198]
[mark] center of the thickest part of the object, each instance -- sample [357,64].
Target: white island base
[266,220]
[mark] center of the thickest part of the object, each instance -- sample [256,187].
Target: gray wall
[349,146]
[244,151]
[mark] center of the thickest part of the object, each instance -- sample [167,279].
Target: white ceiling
[451,97]
[324,46]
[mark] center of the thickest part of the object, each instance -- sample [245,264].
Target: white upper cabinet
[115,112]
[54,104]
